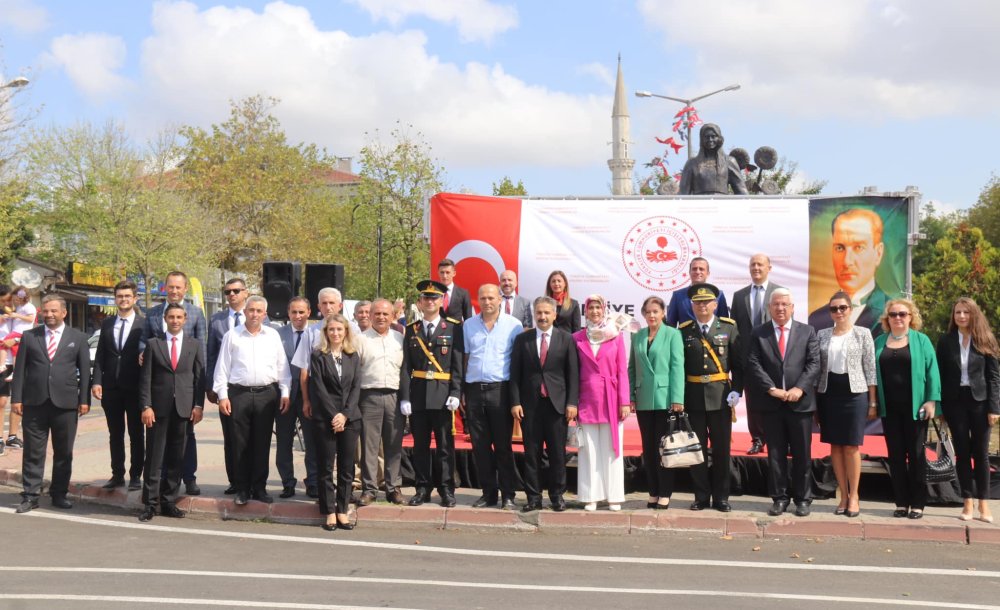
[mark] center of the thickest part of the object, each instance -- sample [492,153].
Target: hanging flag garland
[686,118]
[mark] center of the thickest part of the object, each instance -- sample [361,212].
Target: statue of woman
[712,171]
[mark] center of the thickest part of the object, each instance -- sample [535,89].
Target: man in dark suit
[172,396]
[544,394]
[235,292]
[293,334]
[679,308]
[195,328]
[116,384]
[782,372]
[432,360]
[857,253]
[512,303]
[51,389]
[456,302]
[750,311]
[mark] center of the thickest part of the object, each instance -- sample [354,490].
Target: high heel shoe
[852,513]
[986,519]
[965,517]
[840,510]
[329,526]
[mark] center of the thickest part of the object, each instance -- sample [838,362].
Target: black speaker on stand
[282,281]
[320,276]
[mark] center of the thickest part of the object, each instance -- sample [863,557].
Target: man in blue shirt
[679,309]
[489,339]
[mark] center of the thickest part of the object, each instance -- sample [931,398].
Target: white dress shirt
[123,332]
[963,352]
[251,360]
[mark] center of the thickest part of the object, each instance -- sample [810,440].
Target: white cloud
[599,71]
[335,86]
[92,62]
[475,19]
[23,15]
[875,59]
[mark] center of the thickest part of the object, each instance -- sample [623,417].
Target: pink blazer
[603,382]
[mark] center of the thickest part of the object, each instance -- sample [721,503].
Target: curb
[738,524]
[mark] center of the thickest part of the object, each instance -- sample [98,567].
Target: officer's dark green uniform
[433,364]
[707,384]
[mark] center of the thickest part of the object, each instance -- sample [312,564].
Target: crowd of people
[563,377]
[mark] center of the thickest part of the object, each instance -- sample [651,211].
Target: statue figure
[712,171]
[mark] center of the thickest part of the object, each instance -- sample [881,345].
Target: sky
[885,93]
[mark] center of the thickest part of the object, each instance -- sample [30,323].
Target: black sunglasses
[898,314]
[839,308]
[232,291]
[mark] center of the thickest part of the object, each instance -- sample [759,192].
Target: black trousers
[335,450]
[652,428]
[789,432]
[190,470]
[165,443]
[226,421]
[543,426]
[253,421]
[422,424]
[715,430]
[123,412]
[970,433]
[490,424]
[904,442]
[38,422]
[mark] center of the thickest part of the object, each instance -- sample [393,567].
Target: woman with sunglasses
[846,396]
[909,388]
[970,400]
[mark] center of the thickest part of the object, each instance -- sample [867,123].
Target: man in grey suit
[51,390]
[292,334]
[195,328]
[783,369]
[512,303]
[750,311]
[172,395]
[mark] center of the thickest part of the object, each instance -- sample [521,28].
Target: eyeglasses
[899,314]
[839,308]
[229,291]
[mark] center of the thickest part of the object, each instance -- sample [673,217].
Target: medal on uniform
[444,350]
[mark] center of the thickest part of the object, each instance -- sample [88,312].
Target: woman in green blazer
[656,379]
[909,388]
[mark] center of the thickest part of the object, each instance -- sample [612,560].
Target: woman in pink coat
[604,405]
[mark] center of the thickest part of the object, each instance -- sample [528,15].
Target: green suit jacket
[924,374]
[656,375]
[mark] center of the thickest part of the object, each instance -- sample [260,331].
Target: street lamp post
[20,81]
[687,102]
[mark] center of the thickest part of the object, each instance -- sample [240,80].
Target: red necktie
[444,304]
[781,342]
[506,305]
[173,353]
[543,353]
[53,343]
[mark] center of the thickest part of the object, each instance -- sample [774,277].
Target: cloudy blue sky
[859,92]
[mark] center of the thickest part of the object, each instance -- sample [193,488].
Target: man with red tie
[512,303]
[456,302]
[51,390]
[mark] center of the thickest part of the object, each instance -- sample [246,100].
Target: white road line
[233,603]
[494,554]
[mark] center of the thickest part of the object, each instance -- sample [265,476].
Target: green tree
[985,213]
[15,116]
[506,187]
[265,192]
[934,226]
[966,264]
[397,179]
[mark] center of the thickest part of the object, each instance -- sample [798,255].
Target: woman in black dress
[334,389]
[846,396]
[970,400]
[568,311]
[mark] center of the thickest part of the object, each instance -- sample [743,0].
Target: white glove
[452,403]
[405,407]
[733,398]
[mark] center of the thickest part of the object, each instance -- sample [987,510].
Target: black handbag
[680,447]
[942,469]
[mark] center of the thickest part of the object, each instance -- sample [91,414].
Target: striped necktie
[53,343]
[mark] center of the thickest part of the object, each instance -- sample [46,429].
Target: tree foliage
[506,187]
[985,213]
[934,226]
[15,116]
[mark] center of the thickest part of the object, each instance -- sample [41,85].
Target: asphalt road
[96,557]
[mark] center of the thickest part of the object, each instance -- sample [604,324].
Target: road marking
[494,554]
[440,583]
[233,603]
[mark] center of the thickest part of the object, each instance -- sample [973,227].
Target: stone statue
[712,171]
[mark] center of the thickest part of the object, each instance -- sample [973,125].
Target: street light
[687,102]
[20,81]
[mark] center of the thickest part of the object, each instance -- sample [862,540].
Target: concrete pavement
[91,469]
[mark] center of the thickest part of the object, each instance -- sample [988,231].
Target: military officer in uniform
[711,353]
[432,360]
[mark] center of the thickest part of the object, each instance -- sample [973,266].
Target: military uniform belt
[708,378]
[431,375]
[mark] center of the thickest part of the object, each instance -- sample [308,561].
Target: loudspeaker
[282,281]
[320,276]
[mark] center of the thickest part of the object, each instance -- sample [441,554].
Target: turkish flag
[481,234]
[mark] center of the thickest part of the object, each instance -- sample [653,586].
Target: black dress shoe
[755,447]
[801,509]
[241,498]
[394,497]
[230,490]
[345,526]
[135,484]
[662,506]
[777,508]
[191,489]
[147,514]
[900,513]
[61,502]
[311,492]
[330,527]
[916,514]
[114,483]
[532,505]
[699,505]
[419,499]
[287,492]
[171,510]
[722,506]
[651,505]
[26,505]
[558,504]
[262,496]
[508,504]
[485,501]
[448,500]
[366,498]
[852,513]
